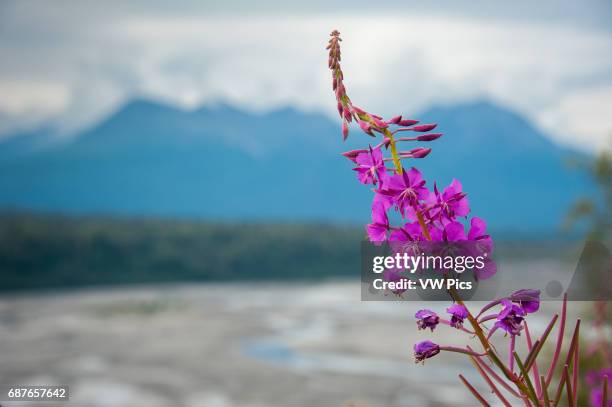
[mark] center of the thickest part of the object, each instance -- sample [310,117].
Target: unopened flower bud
[416,153]
[366,127]
[407,122]
[345,129]
[395,120]
[359,110]
[424,127]
[379,123]
[429,137]
[352,155]
[347,116]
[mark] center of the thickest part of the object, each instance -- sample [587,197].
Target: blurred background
[178,228]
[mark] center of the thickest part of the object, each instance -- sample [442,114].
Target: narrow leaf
[575,367]
[553,363]
[604,391]
[570,393]
[536,373]
[532,356]
[474,392]
[492,385]
[531,393]
[544,391]
[570,354]
[499,380]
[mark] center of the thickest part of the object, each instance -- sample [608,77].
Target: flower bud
[347,116]
[345,130]
[416,153]
[407,122]
[395,120]
[424,127]
[366,127]
[379,123]
[359,110]
[429,137]
[352,155]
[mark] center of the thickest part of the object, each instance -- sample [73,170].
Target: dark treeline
[43,251]
[47,251]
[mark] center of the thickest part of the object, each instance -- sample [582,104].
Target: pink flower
[377,230]
[427,319]
[458,314]
[449,204]
[370,166]
[405,190]
[425,350]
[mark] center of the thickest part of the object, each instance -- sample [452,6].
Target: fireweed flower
[427,319]
[528,299]
[405,189]
[394,275]
[385,200]
[510,319]
[370,166]
[377,230]
[425,350]
[453,232]
[449,204]
[411,232]
[478,230]
[458,314]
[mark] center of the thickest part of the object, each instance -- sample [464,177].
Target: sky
[69,64]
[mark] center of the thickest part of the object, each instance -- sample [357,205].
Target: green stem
[396,160]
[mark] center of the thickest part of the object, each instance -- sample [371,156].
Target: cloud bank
[70,64]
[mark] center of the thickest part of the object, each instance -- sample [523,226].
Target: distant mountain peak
[147,106]
[475,117]
[221,162]
[473,107]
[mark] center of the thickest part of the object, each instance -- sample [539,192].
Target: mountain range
[224,164]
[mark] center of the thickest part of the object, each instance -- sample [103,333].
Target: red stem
[575,371]
[461,350]
[492,385]
[536,373]
[499,380]
[474,391]
[553,364]
[447,322]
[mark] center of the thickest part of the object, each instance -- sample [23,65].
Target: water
[228,345]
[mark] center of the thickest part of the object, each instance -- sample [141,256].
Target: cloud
[87,59]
